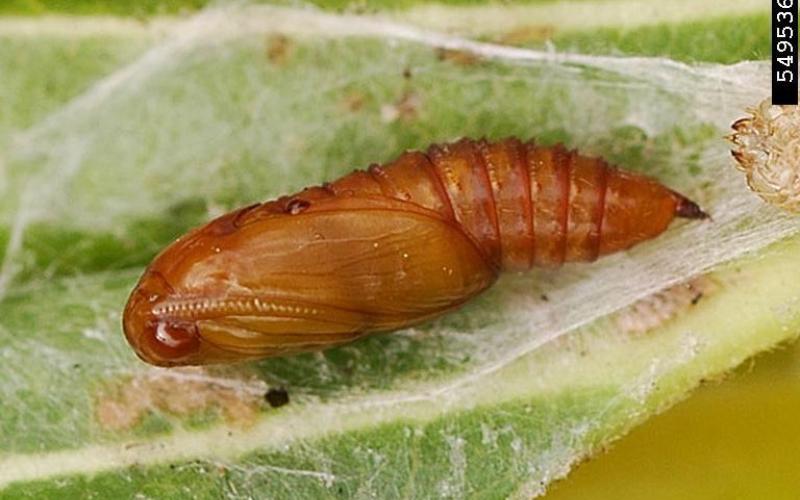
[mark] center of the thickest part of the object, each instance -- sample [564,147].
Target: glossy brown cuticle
[386,248]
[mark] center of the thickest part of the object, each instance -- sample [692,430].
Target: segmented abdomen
[528,205]
[523,204]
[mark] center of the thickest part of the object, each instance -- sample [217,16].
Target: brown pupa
[385,248]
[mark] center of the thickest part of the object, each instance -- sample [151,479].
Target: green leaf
[244,103]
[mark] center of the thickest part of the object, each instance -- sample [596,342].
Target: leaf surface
[243,103]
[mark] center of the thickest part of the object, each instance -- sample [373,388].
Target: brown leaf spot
[404,109]
[459,57]
[278,48]
[180,392]
[528,34]
[353,101]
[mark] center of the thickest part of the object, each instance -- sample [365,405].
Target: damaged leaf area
[186,392]
[242,103]
[656,309]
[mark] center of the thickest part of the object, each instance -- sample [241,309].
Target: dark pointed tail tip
[688,209]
